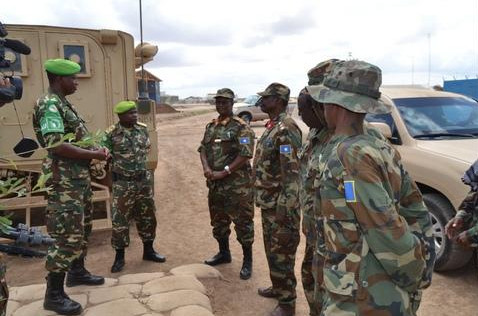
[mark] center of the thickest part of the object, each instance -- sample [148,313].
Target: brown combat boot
[283,310]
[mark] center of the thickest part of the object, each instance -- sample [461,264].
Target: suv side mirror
[383,128]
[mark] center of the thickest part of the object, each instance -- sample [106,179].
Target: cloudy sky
[245,45]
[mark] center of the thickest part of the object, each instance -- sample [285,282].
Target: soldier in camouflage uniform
[311,113]
[133,197]
[463,228]
[226,148]
[276,169]
[69,202]
[365,194]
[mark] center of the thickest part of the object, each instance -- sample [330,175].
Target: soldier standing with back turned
[133,196]
[69,209]
[225,150]
[276,168]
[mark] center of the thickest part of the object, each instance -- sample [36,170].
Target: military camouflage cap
[124,106]
[277,89]
[353,85]
[317,74]
[62,67]
[225,93]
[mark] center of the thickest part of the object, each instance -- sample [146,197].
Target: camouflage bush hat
[277,89]
[353,85]
[124,106]
[317,74]
[62,67]
[225,93]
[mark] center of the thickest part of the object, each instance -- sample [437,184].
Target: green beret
[62,67]
[124,106]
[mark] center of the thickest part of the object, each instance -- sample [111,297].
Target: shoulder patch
[349,188]
[285,149]
[244,140]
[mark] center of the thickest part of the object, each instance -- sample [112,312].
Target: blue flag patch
[244,140]
[285,149]
[349,187]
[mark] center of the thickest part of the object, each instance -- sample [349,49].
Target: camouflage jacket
[468,211]
[54,117]
[308,175]
[370,247]
[276,167]
[129,148]
[225,140]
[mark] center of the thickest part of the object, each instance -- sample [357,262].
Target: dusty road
[184,236]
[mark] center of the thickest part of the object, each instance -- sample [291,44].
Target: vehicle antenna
[142,87]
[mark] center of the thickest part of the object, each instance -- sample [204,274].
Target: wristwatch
[227,169]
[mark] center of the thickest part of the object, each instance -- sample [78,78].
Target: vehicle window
[252,99]
[387,119]
[439,117]
[381,118]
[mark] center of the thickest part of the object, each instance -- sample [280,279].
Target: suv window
[444,117]
[387,119]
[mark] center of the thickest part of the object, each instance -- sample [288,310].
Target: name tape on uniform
[285,149]
[349,187]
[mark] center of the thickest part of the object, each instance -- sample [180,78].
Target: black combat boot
[118,265]
[151,255]
[55,298]
[223,256]
[246,269]
[78,275]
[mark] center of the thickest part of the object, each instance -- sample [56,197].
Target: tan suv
[436,134]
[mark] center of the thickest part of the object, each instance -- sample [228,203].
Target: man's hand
[453,227]
[102,153]
[463,240]
[218,175]
[207,172]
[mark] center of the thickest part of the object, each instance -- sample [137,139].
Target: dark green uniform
[231,198]
[133,196]
[70,199]
[276,168]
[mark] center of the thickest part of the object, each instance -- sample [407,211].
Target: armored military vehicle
[108,61]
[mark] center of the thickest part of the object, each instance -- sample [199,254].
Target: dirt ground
[184,236]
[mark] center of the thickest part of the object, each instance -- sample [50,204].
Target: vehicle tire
[450,255]
[247,117]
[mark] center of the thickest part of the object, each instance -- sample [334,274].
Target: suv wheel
[450,255]
[247,117]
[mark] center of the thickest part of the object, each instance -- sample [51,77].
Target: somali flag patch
[349,187]
[285,149]
[244,140]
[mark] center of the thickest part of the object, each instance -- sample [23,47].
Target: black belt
[136,177]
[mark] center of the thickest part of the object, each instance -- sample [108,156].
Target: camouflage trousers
[133,200]
[3,289]
[318,274]
[280,244]
[69,221]
[308,282]
[229,204]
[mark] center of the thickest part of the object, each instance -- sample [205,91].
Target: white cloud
[208,44]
